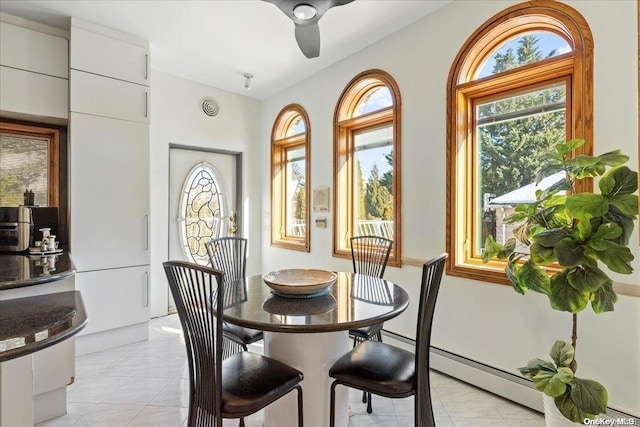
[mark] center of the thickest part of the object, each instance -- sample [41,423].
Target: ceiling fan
[306,14]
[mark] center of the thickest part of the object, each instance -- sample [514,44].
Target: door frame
[238,178]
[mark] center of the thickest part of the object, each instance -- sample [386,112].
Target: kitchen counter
[40,314]
[21,270]
[34,323]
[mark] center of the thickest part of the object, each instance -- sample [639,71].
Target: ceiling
[215,42]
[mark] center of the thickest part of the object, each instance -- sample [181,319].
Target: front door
[202,201]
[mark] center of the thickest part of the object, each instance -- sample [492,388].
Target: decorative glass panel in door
[202,210]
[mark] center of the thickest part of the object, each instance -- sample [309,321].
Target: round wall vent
[210,107]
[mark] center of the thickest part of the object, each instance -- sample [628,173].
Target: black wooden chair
[369,255]
[237,386]
[385,370]
[229,254]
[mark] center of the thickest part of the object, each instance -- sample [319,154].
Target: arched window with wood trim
[290,139]
[521,83]
[367,162]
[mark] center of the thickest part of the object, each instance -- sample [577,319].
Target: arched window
[290,179]
[367,162]
[522,83]
[202,205]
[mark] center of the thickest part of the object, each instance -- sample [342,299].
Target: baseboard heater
[502,383]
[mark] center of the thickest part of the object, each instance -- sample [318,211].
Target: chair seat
[251,381]
[366,332]
[378,368]
[245,335]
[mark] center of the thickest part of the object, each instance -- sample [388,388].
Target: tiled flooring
[145,384]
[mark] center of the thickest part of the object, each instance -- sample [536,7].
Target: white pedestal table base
[313,354]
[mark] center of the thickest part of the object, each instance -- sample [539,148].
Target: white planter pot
[552,416]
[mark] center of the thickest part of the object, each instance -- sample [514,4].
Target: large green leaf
[590,396]
[565,297]
[565,374]
[586,205]
[507,249]
[562,353]
[569,252]
[562,185]
[541,255]
[606,184]
[534,277]
[570,410]
[587,279]
[617,258]
[607,231]
[491,248]
[627,203]
[583,229]
[536,365]
[512,274]
[624,221]
[567,147]
[626,180]
[613,158]
[549,383]
[550,237]
[604,299]
[583,161]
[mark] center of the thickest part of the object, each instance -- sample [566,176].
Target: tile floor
[145,384]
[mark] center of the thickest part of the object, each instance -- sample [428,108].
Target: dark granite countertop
[19,270]
[354,301]
[31,324]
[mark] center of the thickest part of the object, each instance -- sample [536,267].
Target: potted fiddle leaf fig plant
[572,238]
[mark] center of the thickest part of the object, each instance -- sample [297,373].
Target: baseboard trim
[497,381]
[110,338]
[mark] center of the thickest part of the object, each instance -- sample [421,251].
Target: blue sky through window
[547,42]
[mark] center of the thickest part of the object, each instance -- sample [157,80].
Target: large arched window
[367,162]
[290,179]
[520,84]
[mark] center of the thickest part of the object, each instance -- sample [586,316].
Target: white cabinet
[109,164]
[109,183]
[33,94]
[108,56]
[34,70]
[29,50]
[114,298]
[96,95]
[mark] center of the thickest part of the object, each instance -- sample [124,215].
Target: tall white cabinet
[109,92]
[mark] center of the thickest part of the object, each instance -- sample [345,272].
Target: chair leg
[300,414]
[241,422]
[369,408]
[332,405]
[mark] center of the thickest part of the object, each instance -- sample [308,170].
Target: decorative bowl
[299,282]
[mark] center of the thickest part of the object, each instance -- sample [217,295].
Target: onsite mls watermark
[610,422]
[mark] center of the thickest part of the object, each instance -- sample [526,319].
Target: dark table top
[31,324]
[354,301]
[20,270]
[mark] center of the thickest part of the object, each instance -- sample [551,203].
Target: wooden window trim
[576,67]
[279,146]
[53,136]
[344,171]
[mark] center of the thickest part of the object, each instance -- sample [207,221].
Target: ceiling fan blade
[308,38]
[307,30]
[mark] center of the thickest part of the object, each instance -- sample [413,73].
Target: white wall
[482,321]
[177,118]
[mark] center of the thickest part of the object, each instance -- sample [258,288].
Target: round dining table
[310,332]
